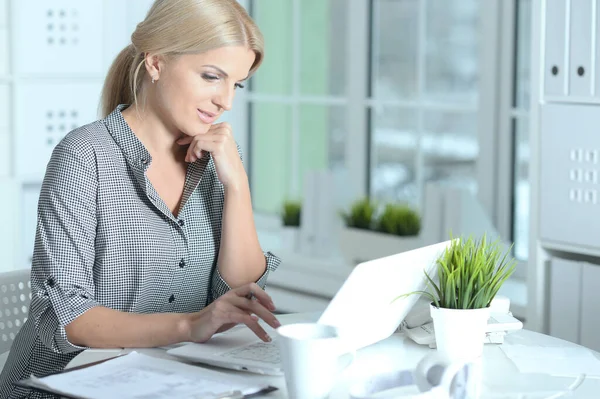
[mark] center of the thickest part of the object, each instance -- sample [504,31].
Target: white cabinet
[5,137]
[58,37]
[5,106]
[3,13]
[4,50]
[5,145]
[44,114]
[580,47]
[29,197]
[555,70]
[590,306]
[570,174]
[565,172]
[575,302]
[569,70]
[9,223]
[565,298]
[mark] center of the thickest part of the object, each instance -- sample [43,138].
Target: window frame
[493,170]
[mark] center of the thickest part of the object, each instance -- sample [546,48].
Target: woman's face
[193,90]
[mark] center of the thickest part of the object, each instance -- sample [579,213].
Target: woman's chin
[202,129]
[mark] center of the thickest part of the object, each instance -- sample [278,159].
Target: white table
[501,378]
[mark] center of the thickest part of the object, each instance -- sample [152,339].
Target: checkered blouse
[105,237]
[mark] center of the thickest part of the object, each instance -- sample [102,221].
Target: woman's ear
[153,64]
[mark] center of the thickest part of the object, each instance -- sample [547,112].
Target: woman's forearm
[241,259]
[101,327]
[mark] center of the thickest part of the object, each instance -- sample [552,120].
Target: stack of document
[136,375]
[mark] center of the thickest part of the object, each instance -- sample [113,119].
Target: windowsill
[322,277]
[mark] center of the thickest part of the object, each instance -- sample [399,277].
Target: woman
[145,233]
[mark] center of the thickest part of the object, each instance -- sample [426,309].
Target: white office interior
[479,114]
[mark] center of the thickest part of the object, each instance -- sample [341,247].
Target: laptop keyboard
[266,352]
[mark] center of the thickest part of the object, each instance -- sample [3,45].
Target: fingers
[218,129]
[221,128]
[253,306]
[236,315]
[257,329]
[253,289]
[212,143]
[185,140]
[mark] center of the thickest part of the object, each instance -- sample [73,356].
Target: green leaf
[470,273]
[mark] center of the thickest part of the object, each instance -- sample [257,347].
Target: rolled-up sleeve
[220,286]
[63,259]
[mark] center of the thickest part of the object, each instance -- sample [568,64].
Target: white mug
[310,355]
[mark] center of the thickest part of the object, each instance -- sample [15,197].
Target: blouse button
[182,263]
[171,298]
[181,222]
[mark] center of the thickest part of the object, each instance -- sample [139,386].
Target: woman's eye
[210,78]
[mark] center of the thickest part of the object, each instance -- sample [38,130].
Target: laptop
[364,310]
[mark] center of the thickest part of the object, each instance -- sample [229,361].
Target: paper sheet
[140,376]
[559,361]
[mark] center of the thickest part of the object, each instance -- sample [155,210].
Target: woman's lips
[206,117]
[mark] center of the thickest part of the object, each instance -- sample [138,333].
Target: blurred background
[417,103]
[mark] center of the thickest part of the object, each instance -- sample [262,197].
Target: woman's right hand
[241,305]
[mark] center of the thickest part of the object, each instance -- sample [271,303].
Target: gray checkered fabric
[104,237]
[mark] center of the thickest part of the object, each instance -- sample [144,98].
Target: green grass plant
[469,274]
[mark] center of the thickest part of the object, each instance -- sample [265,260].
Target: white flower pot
[290,238]
[358,245]
[460,333]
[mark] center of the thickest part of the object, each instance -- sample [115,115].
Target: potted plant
[290,217]
[360,215]
[370,235]
[400,220]
[469,275]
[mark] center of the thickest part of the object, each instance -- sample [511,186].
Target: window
[420,97]
[423,97]
[297,100]
[520,113]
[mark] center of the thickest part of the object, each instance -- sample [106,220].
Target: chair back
[15,296]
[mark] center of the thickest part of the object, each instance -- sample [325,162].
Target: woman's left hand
[223,149]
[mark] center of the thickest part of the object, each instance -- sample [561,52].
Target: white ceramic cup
[310,355]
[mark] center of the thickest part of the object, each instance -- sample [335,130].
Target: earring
[153,80]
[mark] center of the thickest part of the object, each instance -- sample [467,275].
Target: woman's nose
[225,98]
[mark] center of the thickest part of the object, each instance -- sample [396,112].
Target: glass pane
[322,140]
[451,53]
[394,49]
[394,143]
[521,190]
[450,148]
[523,53]
[271,138]
[320,146]
[323,47]
[274,19]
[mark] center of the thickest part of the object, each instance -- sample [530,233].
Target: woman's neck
[151,130]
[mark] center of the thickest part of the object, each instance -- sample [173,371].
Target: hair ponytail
[118,86]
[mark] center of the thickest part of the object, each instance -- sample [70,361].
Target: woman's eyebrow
[222,72]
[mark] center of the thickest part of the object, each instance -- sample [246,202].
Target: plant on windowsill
[400,220]
[290,218]
[469,275]
[368,235]
[360,215]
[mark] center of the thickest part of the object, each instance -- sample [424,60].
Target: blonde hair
[175,27]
